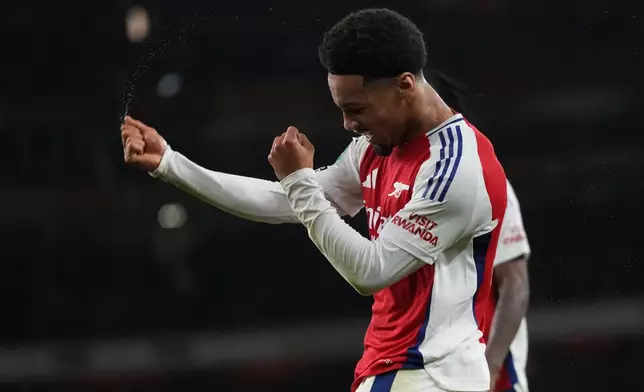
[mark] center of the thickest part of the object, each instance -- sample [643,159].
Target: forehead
[347,89]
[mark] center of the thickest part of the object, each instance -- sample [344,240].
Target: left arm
[369,266]
[512,304]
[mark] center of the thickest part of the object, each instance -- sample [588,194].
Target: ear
[406,84]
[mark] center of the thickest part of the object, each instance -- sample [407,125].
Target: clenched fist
[291,152]
[143,147]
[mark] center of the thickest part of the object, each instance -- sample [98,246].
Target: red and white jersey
[441,197]
[512,245]
[435,208]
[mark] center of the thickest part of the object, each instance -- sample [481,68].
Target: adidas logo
[370,181]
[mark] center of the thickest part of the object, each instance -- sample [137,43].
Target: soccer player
[434,192]
[507,336]
[506,333]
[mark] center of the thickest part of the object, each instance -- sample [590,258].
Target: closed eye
[354,111]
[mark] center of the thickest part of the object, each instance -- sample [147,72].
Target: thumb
[292,135]
[143,128]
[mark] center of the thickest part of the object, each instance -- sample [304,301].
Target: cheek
[386,120]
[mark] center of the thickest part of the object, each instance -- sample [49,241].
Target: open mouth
[367,135]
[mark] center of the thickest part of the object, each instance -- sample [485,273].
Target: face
[378,109]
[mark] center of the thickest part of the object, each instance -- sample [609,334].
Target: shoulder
[355,151]
[513,200]
[351,156]
[513,209]
[359,145]
[463,173]
[453,165]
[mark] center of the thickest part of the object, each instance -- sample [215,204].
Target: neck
[429,112]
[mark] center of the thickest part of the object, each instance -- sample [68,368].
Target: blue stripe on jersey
[481,245]
[449,164]
[459,154]
[414,357]
[438,165]
[383,382]
[433,132]
[440,179]
[510,390]
[508,364]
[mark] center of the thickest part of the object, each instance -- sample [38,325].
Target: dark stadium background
[96,295]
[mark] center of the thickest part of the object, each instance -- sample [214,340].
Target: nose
[349,124]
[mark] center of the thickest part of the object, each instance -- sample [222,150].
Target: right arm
[251,198]
[245,197]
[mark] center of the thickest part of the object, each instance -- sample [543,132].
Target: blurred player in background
[434,192]
[507,335]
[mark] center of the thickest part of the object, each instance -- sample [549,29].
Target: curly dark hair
[374,43]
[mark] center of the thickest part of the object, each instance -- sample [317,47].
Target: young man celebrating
[434,192]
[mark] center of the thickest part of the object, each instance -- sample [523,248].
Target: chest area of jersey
[387,186]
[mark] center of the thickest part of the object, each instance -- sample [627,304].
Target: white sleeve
[367,266]
[341,181]
[256,199]
[442,211]
[513,242]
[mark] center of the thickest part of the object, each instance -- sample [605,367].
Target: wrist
[297,176]
[305,196]
[162,169]
[494,363]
